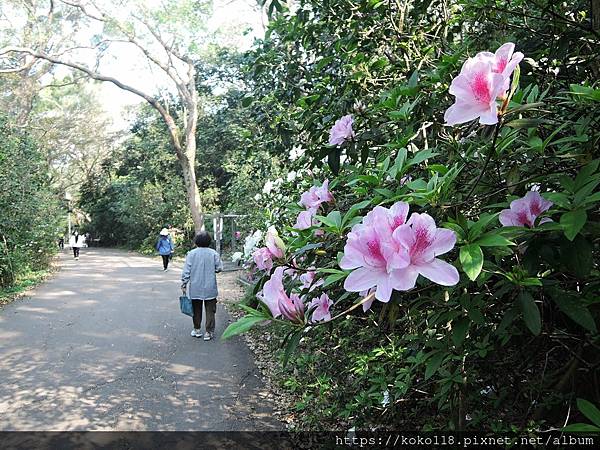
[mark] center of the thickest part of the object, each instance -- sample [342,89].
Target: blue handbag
[185,304]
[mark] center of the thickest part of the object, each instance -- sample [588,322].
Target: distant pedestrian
[200,280]
[76,242]
[61,243]
[165,247]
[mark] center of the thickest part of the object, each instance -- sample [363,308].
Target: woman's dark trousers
[211,309]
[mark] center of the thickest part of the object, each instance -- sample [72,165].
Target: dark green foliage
[31,217]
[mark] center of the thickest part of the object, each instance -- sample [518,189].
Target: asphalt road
[103,346]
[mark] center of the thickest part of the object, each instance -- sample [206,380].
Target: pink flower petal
[440,272]
[461,112]
[384,288]
[509,218]
[362,279]
[404,279]
[367,305]
[443,241]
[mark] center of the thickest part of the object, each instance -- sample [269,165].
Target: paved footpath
[103,346]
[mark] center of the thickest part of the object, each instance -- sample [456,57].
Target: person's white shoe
[208,336]
[196,333]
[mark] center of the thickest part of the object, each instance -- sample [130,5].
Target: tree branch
[98,76]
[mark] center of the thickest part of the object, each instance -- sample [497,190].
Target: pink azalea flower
[481,81]
[476,89]
[376,257]
[321,311]
[279,303]
[315,196]
[273,291]
[263,259]
[238,234]
[305,219]
[424,242]
[341,131]
[524,211]
[275,244]
[292,308]
[308,280]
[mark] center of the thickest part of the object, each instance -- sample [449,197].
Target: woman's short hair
[202,239]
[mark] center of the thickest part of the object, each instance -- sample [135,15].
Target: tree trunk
[193,193]
[187,158]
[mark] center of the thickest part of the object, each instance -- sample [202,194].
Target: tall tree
[166,37]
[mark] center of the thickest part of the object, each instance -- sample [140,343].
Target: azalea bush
[436,264]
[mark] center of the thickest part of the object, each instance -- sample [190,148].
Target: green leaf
[585,192]
[242,325]
[307,248]
[247,101]
[398,163]
[583,177]
[507,320]
[572,222]
[291,346]
[531,313]
[559,198]
[577,256]
[333,160]
[581,428]
[433,364]
[525,107]
[477,228]
[585,92]
[439,168]
[492,239]
[333,278]
[577,312]
[420,157]
[333,219]
[592,198]
[460,328]
[336,218]
[524,123]
[531,281]
[355,208]
[589,410]
[567,183]
[413,80]
[471,259]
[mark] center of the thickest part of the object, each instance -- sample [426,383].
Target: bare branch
[85,11]
[97,76]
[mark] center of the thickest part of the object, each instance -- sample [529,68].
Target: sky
[230,19]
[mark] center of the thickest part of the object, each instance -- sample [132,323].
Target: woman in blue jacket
[164,245]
